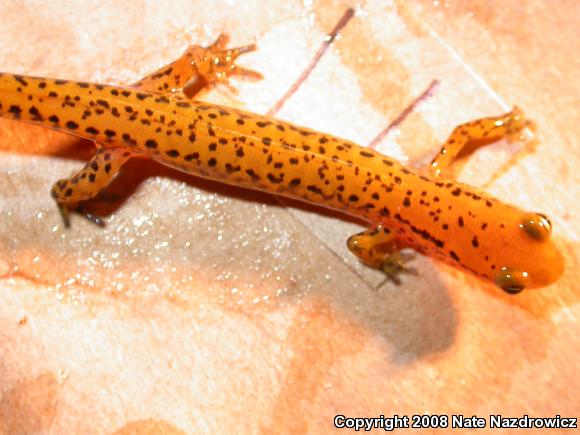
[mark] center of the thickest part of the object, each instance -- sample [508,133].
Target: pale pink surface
[202,308]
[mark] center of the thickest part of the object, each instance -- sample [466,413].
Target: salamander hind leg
[491,129]
[216,63]
[89,181]
[380,249]
[199,68]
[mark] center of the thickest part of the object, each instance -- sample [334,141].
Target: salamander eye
[537,226]
[512,281]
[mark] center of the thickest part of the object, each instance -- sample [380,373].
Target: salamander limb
[200,67]
[380,248]
[89,181]
[492,129]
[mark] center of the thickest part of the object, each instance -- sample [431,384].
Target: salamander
[422,209]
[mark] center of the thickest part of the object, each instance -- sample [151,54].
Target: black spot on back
[15,110]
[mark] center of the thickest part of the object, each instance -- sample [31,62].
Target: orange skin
[154,118]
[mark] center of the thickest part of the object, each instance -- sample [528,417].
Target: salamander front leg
[491,129]
[88,182]
[380,249]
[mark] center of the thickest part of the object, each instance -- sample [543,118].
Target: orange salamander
[154,118]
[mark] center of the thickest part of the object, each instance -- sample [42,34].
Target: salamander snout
[535,260]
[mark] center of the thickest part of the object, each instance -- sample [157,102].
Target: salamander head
[534,260]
